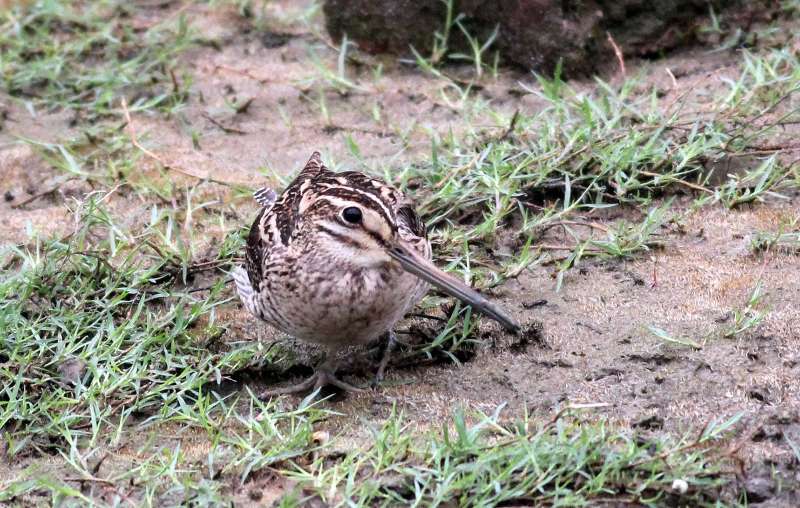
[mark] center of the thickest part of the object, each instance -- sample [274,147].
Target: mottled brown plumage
[337,260]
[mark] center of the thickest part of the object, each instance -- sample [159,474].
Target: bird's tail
[245,288]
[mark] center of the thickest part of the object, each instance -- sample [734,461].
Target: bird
[337,260]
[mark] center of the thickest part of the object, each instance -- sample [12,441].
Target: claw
[319,379]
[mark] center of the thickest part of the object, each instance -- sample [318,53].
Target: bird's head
[351,228]
[360,221]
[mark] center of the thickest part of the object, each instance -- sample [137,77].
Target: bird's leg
[299,387]
[325,374]
[387,353]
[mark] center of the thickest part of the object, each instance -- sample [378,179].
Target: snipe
[338,259]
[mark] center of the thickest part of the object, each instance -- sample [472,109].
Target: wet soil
[594,345]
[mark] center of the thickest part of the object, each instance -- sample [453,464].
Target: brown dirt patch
[596,344]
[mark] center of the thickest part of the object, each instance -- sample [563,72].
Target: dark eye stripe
[338,236]
[365,199]
[375,236]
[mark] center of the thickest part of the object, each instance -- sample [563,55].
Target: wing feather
[265,196]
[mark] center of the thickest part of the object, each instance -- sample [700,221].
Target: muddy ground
[595,345]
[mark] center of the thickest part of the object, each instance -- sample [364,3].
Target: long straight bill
[427,271]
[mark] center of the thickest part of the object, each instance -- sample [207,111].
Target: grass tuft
[95,329]
[565,462]
[84,56]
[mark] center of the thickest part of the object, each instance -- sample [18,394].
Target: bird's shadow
[362,362]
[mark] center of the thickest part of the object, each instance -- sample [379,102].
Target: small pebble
[680,486]
[8,196]
[321,437]
[72,370]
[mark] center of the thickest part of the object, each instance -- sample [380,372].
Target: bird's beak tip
[424,269]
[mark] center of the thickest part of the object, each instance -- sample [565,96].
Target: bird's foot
[319,379]
[387,353]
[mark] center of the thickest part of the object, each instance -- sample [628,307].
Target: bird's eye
[352,214]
